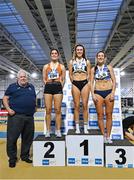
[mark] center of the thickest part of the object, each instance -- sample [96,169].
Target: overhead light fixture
[34,75]
[122,73]
[33,46]
[11,76]
[12,72]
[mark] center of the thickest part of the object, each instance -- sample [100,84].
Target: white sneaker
[108,140]
[104,139]
[47,134]
[85,131]
[77,131]
[58,134]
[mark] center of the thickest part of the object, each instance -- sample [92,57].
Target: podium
[49,151]
[119,154]
[85,149]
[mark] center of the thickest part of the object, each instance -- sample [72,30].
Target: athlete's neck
[79,58]
[54,62]
[100,64]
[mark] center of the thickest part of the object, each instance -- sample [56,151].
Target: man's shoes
[12,164]
[27,160]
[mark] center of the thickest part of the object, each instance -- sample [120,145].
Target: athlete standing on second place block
[53,77]
[79,72]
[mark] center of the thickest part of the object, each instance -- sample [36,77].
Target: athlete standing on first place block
[53,77]
[103,86]
[79,72]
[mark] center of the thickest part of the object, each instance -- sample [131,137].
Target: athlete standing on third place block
[103,85]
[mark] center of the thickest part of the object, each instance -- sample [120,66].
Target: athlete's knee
[108,114]
[85,107]
[100,116]
[48,110]
[57,110]
[76,107]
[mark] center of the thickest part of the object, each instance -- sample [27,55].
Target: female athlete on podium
[53,77]
[79,72]
[103,85]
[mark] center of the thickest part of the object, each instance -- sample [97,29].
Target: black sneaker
[27,160]
[12,164]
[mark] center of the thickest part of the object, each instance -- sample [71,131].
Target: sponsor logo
[63,105]
[116,110]
[116,136]
[81,117]
[69,86]
[71,160]
[116,97]
[64,92]
[92,110]
[70,98]
[130,166]
[120,166]
[52,123]
[63,116]
[116,123]
[98,161]
[71,123]
[110,165]
[84,161]
[63,129]
[45,162]
[71,110]
[93,123]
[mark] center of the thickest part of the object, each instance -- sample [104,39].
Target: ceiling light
[122,73]
[34,75]
[11,76]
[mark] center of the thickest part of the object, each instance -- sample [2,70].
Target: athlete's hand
[111,97]
[94,98]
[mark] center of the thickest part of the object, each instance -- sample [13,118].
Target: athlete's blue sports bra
[80,66]
[102,73]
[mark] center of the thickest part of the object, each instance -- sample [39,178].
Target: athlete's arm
[88,71]
[70,71]
[92,85]
[44,73]
[63,76]
[113,81]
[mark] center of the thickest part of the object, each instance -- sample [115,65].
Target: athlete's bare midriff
[103,85]
[79,76]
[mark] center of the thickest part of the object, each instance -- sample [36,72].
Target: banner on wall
[68,111]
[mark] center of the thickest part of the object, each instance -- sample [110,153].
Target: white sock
[77,126]
[85,128]
[85,125]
